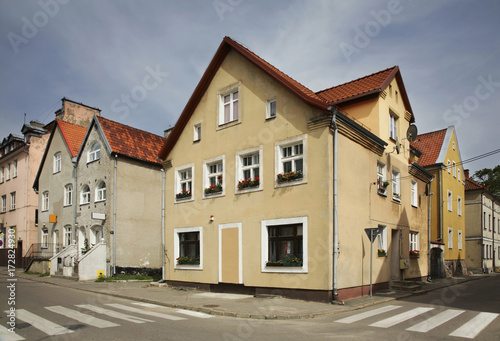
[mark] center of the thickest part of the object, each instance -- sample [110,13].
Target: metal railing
[39,251]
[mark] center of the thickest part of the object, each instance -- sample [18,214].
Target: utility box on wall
[404,264]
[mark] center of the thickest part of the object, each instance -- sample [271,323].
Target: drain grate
[210,305]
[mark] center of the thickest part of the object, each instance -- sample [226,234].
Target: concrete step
[59,274]
[406,286]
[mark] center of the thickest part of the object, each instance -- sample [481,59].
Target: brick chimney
[466,172]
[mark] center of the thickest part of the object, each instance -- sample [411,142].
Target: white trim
[238,171]
[265,244]
[240,250]
[268,108]
[176,247]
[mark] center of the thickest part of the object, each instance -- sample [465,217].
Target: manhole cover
[210,305]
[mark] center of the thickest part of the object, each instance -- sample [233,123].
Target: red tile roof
[73,135]
[472,185]
[360,86]
[131,142]
[430,145]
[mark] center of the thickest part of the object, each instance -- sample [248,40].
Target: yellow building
[270,186]
[441,157]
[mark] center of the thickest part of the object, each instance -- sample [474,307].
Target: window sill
[284,269]
[382,193]
[228,124]
[188,267]
[97,201]
[248,190]
[196,141]
[183,200]
[84,203]
[68,205]
[396,200]
[214,195]
[290,183]
[414,206]
[270,118]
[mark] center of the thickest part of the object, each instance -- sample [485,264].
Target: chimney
[466,172]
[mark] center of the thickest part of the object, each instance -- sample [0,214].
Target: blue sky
[139,61]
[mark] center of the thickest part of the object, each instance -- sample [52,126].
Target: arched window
[85,195]
[100,191]
[94,153]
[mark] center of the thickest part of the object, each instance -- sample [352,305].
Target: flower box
[382,253]
[214,189]
[248,183]
[183,195]
[184,260]
[415,254]
[289,176]
[274,263]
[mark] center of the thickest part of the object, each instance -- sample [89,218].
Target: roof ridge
[432,132]
[128,126]
[357,79]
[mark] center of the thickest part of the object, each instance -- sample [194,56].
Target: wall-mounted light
[211,218]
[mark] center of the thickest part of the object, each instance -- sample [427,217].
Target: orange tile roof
[131,142]
[472,185]
[430,145]
[73,135]
[365,85]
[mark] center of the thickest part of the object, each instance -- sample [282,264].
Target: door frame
[240,249]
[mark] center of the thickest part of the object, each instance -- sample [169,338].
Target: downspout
[163,224]
[483,226]
[429,232]
[114,216]
[440,207]
[75,181]
[333,111]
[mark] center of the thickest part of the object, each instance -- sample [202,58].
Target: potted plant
[274,263]
[248,183]
[382,253]
[414,253]
[214,188]
[185,260]
[183,195]
[289,176]
[292,261]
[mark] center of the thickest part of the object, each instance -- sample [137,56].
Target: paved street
[58,312]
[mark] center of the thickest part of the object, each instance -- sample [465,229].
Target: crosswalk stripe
[362,316]
[84,318]
[114,314]
[5,335]
[46,326]
[145,312]
[392,321]
[180,311]
[435,321]
[475,325]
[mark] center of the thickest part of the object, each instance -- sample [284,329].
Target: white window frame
[459,178]
[68,195]
[460,238]
[484,220]
[45,201]
[85,195]
[14,166]
[450,201]
[100,192]
[94,154]
[179,182]
[489,222]
[280,159]
[449,167]
[393,125]
[57,162]
[12,201]
[67,235]
[45,238]
[2,175]
[396,185]
[207,164]
[271,108]
[3,203]
[197,132]
[414,241]
[459,205]
[241,168]
[382,238]
[7,175]
[381,178]
[265,245]
[454,168]
[177,231]
[222,105]
[414,193]
[450,238]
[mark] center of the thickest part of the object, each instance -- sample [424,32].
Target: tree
[489,177]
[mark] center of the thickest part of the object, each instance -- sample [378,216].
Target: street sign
[372,233]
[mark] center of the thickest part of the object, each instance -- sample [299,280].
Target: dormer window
[94,153]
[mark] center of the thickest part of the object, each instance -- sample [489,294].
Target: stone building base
[455,267]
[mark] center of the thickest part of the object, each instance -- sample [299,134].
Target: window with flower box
[249,166]
[213,177]
[382,241]
[291,161]
[414,244]
[184,183]
[284,245]
[188,247]
[382,182]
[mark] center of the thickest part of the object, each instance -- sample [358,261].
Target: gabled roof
[73,136]
[430,144]
[471,185]
[225,47]
[367,86]
[128,141]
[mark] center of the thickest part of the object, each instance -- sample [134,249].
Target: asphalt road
[48,312]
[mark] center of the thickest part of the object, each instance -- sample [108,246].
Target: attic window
[197,132]
[229,106]
[94,153]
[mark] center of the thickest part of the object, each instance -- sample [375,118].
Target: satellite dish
[411,133]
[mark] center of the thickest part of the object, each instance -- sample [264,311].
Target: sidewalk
[233,305]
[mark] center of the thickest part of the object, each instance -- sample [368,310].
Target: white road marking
[392,321]
[46,326]
[5,335]
[475,325]
[362,316]
[435,321]
[145,312]
[84,318]
[180,311]
[114,314]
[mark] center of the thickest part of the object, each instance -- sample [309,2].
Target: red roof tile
[472,185]
[365,85]
[131,142]
[73,135]
[430,145]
